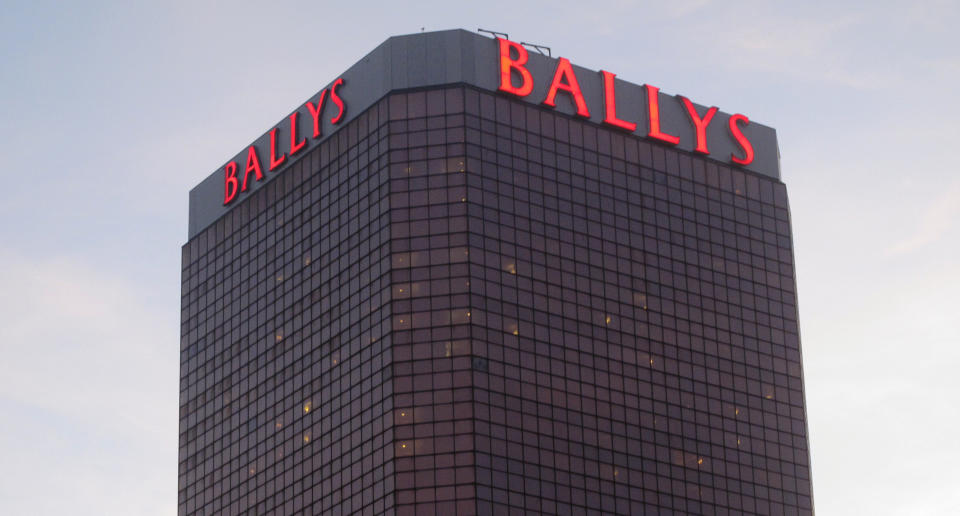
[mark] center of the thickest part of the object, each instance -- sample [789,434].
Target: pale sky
[111,111]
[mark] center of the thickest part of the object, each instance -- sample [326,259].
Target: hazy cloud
[86,392]
[939,219]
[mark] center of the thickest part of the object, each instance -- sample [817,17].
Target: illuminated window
[401,259]
[459,254]
[401,290]
[768,391]
[456,165]
[640,300]
[460,316]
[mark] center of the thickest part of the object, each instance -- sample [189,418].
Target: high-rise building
[467,278]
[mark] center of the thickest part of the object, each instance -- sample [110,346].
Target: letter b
[507,65]
[229,182]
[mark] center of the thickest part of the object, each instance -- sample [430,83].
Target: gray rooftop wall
[457,56]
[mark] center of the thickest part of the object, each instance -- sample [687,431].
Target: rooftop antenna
[538,48]
[495,33]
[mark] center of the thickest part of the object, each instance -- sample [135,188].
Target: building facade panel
[463,303]
[285,377]
[636,313]
[430,296]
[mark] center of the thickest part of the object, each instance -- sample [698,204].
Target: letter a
[564,79]
[253,165]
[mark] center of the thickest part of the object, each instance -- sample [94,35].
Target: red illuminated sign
[610,104]
[699,124]
[513,60]
[565,80]
[741,139]
[653,113]
[296,142]
[509,65]
[289,139]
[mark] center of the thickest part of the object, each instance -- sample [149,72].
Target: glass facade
[465,304]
